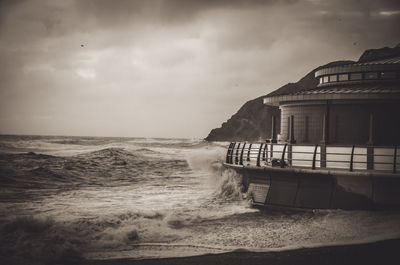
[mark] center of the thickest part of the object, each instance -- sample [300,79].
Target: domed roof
[376,75]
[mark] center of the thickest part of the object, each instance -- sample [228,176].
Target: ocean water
[66,198]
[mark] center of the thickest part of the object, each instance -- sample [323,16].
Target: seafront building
[353,104]
[337,142]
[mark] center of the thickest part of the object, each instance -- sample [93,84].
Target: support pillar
[273,130]
[370,144]
[325,129]
[291,130]
[371,129]
[325,125]
[323,156]
[370,157]
[325,136]
[289,154]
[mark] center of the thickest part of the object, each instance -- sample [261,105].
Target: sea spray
[114,197]
[231,186]
[226,183]
[204,157]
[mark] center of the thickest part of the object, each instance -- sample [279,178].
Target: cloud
[389,13]
[167,68]
[86,73]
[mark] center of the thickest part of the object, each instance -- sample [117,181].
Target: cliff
[378,54]
[251,123]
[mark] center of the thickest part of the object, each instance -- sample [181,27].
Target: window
[321,80]
[332,78]
[388,75]
[326,80]
[371,75]
[343,77]
[355,76]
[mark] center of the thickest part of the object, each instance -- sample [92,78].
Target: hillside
[250,123]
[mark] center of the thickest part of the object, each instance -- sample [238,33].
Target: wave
[146,151]
[171,143]
[32,170]
[231,186]
[27,155]
[105,167]
[34,240]
[86,141]
[112,156]
[28,240]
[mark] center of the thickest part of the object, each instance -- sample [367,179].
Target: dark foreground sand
[383,252]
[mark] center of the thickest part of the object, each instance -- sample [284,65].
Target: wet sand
[382,252]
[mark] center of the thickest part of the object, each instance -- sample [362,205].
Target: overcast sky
[172,68]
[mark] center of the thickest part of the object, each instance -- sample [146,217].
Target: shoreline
[380,252]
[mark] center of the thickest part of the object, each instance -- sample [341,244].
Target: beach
[382,252]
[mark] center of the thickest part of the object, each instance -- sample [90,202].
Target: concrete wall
[323,190]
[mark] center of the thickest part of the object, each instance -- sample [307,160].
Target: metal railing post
[237,155]
[231,156]
[228,152]
[259,154]
[265,152]
[351,158]
[394,159]
[241,154]
[271,152]
[248,153]
[314,156]
[283,157]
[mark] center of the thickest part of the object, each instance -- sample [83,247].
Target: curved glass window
[371,75]
[343,77]
[326,79]
[355,76]
[388,75]
[332,78]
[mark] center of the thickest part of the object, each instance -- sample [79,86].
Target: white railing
[314,156]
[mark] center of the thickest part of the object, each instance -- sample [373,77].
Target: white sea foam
[152,198]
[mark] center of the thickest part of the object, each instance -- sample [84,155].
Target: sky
[167,68]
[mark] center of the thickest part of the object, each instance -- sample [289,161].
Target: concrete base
[321,189]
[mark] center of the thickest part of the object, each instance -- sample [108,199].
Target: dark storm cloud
[6,6]
[180,10]
[53,18]
[165,10]
[113,12]
[151,68]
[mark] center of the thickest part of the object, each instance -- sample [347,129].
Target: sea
[64,198]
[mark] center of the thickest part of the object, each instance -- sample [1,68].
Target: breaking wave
[104,165]
[28,240]
[63,199]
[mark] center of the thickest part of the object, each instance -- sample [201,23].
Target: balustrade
[350,158]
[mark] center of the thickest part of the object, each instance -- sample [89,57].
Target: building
[337,146]
[353,104]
